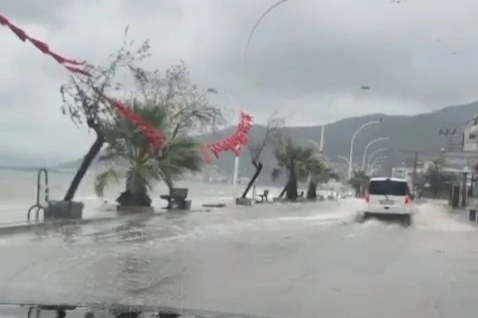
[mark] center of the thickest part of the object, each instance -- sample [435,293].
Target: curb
[7,229]
[16,228]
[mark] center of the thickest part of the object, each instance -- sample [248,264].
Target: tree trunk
[87,160]
[312,191]
[291,193]
[259,167]
[127,198]
[284,190]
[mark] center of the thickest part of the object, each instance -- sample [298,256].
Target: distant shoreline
[35,169]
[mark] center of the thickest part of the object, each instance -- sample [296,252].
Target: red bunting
[18,32]
[234,142]
[156,139]
[3,20]
[42,46]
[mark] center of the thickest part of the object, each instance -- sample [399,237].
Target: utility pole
[322,135]
[415,163]
[415,166]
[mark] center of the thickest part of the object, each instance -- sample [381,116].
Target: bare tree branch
[272,135]
[187,105]
[82,98]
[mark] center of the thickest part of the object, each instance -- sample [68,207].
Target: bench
[177,199]
[264,196]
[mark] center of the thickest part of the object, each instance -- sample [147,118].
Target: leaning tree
[83,100]
[256,146]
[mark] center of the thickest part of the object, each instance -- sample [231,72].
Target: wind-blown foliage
[359,181]
[128,149]
[176,107]
[187,105]
[436,177]
[299,164]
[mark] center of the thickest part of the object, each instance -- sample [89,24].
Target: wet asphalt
[304,260]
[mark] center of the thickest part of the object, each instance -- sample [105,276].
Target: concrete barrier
[472,215]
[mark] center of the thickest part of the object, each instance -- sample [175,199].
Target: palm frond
[276,173]
[126,146]
[102,180]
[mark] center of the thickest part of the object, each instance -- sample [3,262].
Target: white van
[389,197]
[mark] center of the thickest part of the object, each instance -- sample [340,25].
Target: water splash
[435,217]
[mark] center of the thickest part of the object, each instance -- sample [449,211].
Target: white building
[406,173]
[470,135]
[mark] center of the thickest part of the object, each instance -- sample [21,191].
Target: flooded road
[304,260]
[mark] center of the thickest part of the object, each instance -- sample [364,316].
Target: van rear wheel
[364,217]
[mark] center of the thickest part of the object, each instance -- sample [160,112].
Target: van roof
[388,178]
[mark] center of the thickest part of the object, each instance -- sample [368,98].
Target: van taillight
[367,197]
[407,199]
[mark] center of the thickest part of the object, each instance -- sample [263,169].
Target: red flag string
[73,66]
[233,143]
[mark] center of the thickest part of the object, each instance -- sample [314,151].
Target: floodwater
[303,260]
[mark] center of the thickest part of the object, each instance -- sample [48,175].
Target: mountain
[405,133]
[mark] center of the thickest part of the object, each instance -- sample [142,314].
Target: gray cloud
[306,60]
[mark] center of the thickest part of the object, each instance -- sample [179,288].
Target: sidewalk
[13,218]
[11,215]
[461,214]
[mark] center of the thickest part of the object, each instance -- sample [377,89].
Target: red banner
[236,141]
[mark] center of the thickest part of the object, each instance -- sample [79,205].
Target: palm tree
[128,154]
[319,173]
[299,163]
[289,158]
[359,181]
[436,178]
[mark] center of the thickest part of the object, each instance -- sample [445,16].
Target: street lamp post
[372,156]
[251,33]
[377,160]
[321,155]
[368,146]
[344,159]
[235,175]
[347,161]
[315,144]
[319,147]
[353,140]
[246,51]
[215,91]
[322,134]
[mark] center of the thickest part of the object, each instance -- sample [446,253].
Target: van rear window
[388,187]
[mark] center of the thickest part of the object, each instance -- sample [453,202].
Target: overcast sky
[307,59]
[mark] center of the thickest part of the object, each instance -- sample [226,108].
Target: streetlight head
[212,90]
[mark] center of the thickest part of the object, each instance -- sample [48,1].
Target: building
[467,156]
[470,135]
[406,172]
